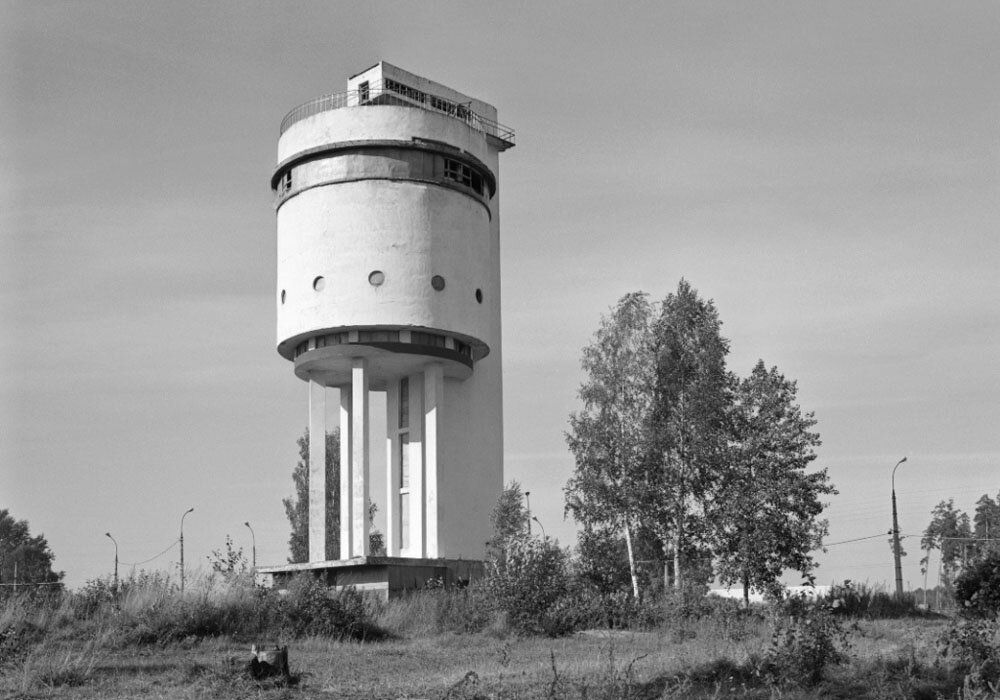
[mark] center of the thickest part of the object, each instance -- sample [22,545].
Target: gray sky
[826,172]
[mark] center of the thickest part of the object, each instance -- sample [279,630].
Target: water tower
[388,280]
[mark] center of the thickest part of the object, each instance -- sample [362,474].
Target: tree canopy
[669,442]
[610,437]
[687,434]
[297,505]
[766,513]
[28,555]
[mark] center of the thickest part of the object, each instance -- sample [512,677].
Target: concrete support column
[346,550]
[392,467]
[359,456]
[433,403]
[418,534]
[317,471]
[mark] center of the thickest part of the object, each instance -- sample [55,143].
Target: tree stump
[267,661]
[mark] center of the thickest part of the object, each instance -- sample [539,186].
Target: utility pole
[253,538]
[108,535]
[189,510]
[895,534]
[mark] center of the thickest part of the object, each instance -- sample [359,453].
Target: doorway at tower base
[388,577]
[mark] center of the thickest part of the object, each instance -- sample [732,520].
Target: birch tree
[688,421]
[609,436]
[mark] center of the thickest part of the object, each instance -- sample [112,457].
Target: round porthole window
[376,278]
[437,281]
[319,283]
[479,296]
[282,296]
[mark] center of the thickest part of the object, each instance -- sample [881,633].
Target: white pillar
[392,467]
[359,456]
[418,535]
[317,471]
[433,403]
[346,550]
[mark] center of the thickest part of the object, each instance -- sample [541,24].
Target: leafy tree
[602,560]
[986,524]
[977,589]
[509,516]
[609,438]
[766,516]
[949,531]
[230,562]
[29,556]
[688,422]
[297,506]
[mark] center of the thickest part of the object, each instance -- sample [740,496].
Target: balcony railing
[393,93]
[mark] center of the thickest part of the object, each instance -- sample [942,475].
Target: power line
[856,539]
[146,561]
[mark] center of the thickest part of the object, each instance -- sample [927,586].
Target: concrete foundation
[388,577]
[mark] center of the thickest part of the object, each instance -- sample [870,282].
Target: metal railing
[378,94]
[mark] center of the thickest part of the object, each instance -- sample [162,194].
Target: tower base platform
[385,576]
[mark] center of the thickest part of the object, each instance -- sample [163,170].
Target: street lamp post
[253,539]
[544,536]
[895,534]
[189,510]
[108,535]
[527,500]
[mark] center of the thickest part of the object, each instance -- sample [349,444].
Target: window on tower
[463,174]
[285,183]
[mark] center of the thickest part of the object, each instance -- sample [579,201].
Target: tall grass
[696,646]
[872,602]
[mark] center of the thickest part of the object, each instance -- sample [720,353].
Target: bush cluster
[806,638]
[148,609]
[528,581]
[862,601]
[974,647]
[977,589]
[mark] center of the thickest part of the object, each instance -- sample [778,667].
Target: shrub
[312,608]
[853,600]
[526,581]
[805,639]
[974,647]
[977,589]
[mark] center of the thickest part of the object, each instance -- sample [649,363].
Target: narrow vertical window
[404,461]
[363,92]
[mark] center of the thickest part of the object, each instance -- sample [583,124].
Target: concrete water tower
[389,280]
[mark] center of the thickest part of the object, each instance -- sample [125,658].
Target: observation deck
[392,92]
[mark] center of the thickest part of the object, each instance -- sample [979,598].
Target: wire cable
[858,539]
[146,561]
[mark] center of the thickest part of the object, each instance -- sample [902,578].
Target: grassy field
[141,649]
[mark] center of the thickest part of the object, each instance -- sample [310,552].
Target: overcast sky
[826,172]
